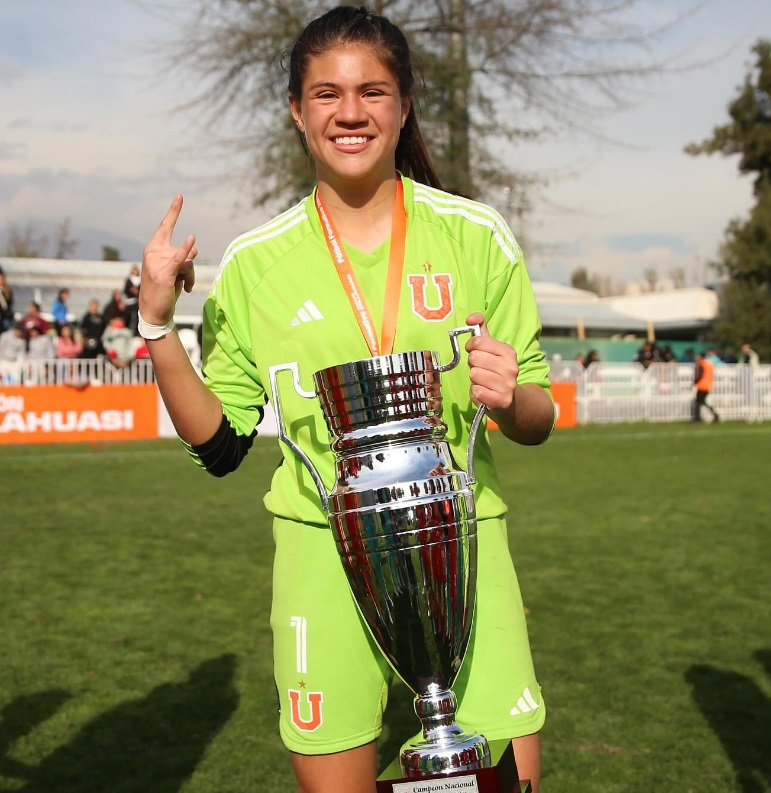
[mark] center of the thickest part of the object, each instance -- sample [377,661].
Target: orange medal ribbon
[393,278]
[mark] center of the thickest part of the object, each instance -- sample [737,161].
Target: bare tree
[498,72]
[581,279]
[651,277]
[26,242]
[677,274]
[606,287]
[64,244]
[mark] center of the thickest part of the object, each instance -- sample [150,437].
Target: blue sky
[87,132]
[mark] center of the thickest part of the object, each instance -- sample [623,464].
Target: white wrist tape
[150,331]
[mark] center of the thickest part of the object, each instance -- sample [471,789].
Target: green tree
[497,72]
[748,134]
[745,257]
[110,254]
[745,253]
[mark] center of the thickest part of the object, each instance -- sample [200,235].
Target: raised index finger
[164,231]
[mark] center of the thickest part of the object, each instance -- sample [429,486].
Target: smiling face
[351,114]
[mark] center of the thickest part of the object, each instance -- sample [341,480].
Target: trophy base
[501,777]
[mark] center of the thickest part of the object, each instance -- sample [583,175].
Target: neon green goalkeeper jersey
[277,298]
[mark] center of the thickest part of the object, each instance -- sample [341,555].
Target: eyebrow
[363,86]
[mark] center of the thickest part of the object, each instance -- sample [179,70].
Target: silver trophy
[403,516]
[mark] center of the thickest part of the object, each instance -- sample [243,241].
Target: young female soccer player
[377,226]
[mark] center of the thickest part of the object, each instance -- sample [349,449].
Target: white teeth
[348,141]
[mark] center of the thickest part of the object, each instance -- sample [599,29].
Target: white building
[565,311]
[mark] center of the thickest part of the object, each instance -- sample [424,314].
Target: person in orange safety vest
[704,377]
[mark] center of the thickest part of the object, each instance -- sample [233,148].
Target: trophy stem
[446,748]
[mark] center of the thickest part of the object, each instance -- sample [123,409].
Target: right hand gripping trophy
[404,521]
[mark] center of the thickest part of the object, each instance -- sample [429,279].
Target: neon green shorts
[331,678]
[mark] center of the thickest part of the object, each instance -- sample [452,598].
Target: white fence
[627,392]
[80,371]
[606,392]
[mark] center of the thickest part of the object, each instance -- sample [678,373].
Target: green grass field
[135,597]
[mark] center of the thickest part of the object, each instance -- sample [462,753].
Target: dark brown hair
[352,25]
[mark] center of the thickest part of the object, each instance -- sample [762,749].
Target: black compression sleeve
[223,452]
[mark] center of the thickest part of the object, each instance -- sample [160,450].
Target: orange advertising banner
[564,395]
[565,401]
[60,413]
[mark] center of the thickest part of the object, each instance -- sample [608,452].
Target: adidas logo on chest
[308,312]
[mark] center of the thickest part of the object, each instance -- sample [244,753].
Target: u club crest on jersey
[437,307]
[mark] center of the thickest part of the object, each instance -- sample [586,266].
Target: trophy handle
[475,330]
[282,436]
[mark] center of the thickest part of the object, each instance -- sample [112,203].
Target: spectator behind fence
[68,345]
[666,354]
[131,299]
[116,307]
[647,354]
[594,373]
[749,361]
[40,352]
[6,304]
[715,357]
[749,356]
[118,340]
[40,346]
[59,308]
[13,351]
[92,327]
[560,371]
[33,319]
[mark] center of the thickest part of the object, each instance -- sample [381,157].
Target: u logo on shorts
[315,698]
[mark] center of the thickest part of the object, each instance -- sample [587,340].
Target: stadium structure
[574,320]
[616,388]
